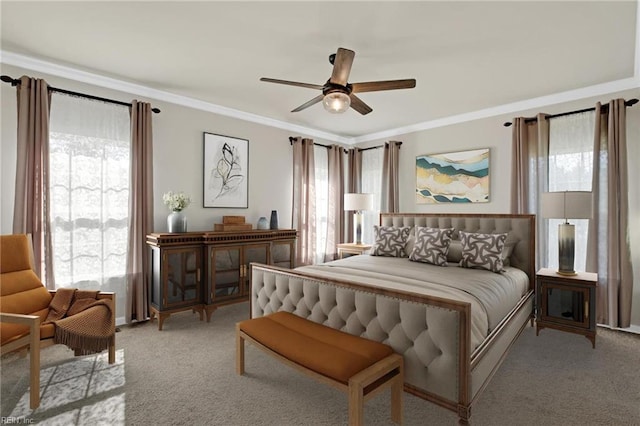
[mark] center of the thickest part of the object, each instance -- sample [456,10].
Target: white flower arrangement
[176,201]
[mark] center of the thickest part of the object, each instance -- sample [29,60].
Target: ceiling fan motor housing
[330,87]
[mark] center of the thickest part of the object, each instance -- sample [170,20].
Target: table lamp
[358,203]
[566,205]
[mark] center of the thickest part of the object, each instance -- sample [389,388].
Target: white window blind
[570,169]
[89,191]
[321,163]
[371,184]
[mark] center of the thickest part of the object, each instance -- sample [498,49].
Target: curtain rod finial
[8,79]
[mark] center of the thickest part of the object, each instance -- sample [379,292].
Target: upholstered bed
[453,325]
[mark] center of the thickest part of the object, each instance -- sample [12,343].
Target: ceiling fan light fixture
[336,102]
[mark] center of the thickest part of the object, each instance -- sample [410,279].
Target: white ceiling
[466,56]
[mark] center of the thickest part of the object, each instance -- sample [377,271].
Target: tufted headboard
[520,227]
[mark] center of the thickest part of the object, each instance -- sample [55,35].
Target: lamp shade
[358,202]
[566,205]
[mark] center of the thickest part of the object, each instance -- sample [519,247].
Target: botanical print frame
[225,171]
[453,177]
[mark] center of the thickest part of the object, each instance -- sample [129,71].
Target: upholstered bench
[353,364]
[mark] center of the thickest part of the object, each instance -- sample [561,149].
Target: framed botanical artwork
[226,171]
[453,177]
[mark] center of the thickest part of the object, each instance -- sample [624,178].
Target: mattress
[491,295]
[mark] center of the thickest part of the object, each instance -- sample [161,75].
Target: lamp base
[566,273]
[566,249]
[357,227]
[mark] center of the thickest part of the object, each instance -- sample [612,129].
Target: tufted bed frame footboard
[432,333]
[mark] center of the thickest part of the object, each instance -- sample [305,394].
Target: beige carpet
[185,375]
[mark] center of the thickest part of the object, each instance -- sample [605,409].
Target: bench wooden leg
[356,404]
[239,351]
[396,396]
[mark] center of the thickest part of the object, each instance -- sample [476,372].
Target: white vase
[262,223]
[177,222]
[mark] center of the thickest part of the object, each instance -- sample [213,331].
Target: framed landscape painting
[453,177]
[226,171]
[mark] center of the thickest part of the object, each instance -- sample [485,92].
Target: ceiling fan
[337,94]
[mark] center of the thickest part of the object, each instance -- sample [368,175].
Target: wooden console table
[200,271]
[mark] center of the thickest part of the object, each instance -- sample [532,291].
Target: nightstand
[352,249]
[567,303]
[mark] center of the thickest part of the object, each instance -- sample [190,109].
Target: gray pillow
[482,251]
[455,251]
[509,245]
[431,246]
[411,241]
[390,241]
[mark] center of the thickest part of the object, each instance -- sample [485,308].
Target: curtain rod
[291,139]
[605,107]
[14,82]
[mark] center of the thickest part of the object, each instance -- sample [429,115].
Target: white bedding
[492,296]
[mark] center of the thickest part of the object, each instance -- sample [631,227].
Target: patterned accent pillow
[455,251]
[432,245]
[482,251]
[390,241]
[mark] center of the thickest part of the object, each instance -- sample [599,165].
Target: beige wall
[178,135]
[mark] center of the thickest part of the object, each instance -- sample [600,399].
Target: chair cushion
[21,292]
[15,253]
[11,332]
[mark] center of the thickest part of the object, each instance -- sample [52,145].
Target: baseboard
[635,329]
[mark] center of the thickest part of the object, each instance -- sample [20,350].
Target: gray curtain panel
[304,200]
[140,212]
[390,194]
[31,203]
[608,250]
[529,174]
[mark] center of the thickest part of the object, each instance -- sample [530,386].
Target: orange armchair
[24,307]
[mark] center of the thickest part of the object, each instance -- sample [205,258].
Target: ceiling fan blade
[308,104]
[358,105]
[374,86]
[342,66]
[292,83]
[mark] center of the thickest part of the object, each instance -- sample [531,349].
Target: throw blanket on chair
[82,322]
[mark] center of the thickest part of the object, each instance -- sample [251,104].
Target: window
[321,164]
[89,189]
[570,169]
[371,184]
